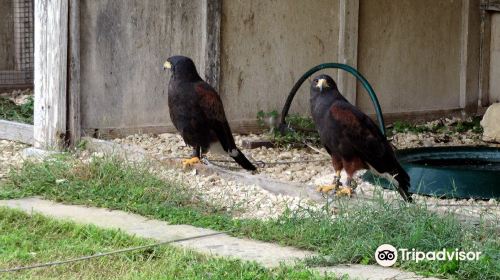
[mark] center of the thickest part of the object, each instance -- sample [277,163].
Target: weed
[21,113]
[264,118]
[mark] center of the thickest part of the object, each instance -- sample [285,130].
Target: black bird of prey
[197,113]
[352,139]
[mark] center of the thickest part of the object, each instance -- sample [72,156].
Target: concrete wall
[410,52]
[6,35]
[123,47]
[495,59]
[267,45]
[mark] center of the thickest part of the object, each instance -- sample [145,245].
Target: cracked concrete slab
[267,254]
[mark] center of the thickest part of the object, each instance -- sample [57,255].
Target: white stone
[491,124]
[37,153]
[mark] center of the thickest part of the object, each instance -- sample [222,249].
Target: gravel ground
[18,96]
[10,156]
[428,139]
[242,200]
[249,201]
[300,165]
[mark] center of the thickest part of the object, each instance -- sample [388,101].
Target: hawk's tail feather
[403,184]
[243,161]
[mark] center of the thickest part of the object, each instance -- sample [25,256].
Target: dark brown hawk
[197,112]
[352,139]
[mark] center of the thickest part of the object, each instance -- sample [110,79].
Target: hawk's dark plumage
[351,138]
[197,112]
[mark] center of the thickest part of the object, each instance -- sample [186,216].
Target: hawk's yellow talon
[190,162]
[327,188]
[345,191]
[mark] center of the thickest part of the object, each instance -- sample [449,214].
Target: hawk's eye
[315,81]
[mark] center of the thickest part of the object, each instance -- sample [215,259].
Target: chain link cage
[21,55]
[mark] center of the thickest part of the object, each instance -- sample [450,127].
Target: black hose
[345,67]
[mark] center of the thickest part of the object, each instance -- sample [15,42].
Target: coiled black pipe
[345,67]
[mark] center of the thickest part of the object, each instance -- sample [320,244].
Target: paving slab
[267,254]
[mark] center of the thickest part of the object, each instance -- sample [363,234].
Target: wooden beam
[484,54]
[469,56]
[490,5]
[246,126]
[14,131]
[73,119]
[348,46]
[51,49]
[212,11]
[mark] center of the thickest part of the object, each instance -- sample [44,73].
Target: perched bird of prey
[197,113]
[352,139]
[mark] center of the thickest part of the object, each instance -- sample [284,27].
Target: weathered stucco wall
[6,35]
[123,47]
[410,52]
[495,59]
[267,45]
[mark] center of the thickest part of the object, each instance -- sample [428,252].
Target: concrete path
[267,254]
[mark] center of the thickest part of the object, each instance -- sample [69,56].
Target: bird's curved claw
[345,191]
[326,189]
[190,162]
[336,190]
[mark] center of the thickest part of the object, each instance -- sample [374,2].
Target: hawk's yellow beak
[322,83]
[167,65]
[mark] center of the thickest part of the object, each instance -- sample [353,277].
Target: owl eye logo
[386,255]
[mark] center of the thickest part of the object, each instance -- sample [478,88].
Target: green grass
[472,124]
[352,237]
[19,113]
[27,240]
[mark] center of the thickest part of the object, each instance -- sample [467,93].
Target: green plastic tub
[450,172]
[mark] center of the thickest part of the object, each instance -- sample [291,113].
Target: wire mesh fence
[23,36]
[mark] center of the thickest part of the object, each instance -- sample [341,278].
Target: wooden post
[348,46]
[211,13]
[51,41]
[469,56]
[490,5]
[484,67]
[487,7]
[73,121]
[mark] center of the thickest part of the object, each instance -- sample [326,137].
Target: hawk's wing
[360,133]
[212,108]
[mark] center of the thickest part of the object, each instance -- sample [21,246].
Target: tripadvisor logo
[387,255]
